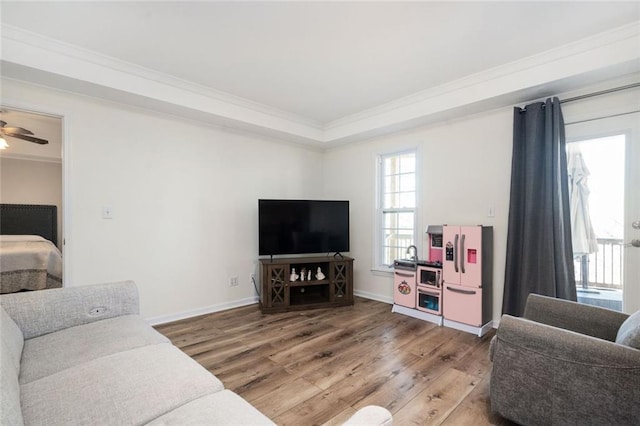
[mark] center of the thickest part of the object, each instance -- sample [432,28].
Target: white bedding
[29,262]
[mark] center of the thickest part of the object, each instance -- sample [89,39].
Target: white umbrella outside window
[584,238]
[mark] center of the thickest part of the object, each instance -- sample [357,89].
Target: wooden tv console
[280,294]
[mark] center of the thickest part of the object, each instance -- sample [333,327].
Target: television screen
[302,226]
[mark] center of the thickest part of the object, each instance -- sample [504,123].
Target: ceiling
[316,64]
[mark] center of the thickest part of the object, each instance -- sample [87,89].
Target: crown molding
[27,48]
[629,31]
[579,63]
[603,50]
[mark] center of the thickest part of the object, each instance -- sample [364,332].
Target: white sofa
[83,355]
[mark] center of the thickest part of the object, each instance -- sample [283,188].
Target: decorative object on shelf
[309,275]
[293,276]
[303,274]
[319,274]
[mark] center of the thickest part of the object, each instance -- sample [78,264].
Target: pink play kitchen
[452,286]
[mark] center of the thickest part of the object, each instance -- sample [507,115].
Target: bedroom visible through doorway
[31,171]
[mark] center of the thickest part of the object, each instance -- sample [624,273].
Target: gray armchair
[560,365]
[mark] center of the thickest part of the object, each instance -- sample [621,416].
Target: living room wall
[184,197]
[464,168]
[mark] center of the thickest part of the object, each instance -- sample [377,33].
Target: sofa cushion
[130,387]
[223,407]
[629,332]
[12,340]
[10,352]
[54,352]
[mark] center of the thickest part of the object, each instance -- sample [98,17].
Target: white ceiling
[319,62]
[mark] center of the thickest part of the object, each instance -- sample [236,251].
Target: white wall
[32,182]
[184,197]
[464,166]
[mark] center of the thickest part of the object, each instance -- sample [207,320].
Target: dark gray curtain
[539,250]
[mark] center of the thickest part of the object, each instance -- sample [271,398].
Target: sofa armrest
[45,311]
[546,375]
[580,318]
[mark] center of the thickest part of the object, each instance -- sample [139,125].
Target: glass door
[604,161]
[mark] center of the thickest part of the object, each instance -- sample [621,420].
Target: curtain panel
[539,248]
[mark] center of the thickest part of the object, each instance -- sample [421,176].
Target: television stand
[280,293]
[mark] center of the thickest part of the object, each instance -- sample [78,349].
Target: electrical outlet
[233,281]
[107,212]
[252,278]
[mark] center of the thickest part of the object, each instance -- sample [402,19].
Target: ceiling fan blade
[21,130]
[28,138]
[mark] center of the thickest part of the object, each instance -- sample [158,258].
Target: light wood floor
[320,366]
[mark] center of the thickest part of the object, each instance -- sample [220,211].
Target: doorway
[31,166]
[609,276]
[596,172]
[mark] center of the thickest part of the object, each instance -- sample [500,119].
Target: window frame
[379,210]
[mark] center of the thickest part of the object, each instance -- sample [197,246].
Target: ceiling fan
[20,133]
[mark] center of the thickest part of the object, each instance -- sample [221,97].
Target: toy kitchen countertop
[409,264]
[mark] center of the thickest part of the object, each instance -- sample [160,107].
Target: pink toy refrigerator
[467,270]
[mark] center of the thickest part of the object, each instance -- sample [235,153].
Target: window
[396,207]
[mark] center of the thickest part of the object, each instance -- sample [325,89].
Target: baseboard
[478,331]
[163,319]
[373,296]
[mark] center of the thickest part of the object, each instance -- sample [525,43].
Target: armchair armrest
[584,319]
[45,311]
[546,375]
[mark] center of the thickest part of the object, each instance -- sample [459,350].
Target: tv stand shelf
[280,294]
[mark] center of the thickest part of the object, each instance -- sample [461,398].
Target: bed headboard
[28,219]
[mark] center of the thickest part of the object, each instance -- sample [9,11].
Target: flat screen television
[302,227]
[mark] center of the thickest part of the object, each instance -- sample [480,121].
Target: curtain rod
[601,92]
[591,95]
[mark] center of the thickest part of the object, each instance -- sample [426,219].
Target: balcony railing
[603,268]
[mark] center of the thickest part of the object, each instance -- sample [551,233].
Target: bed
[29,258]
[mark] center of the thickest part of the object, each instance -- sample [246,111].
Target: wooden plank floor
[319,366]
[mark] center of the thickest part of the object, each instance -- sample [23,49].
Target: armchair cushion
[629,332]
